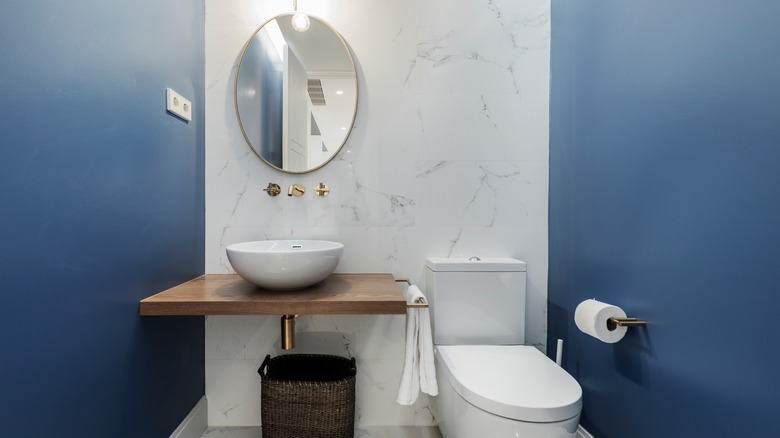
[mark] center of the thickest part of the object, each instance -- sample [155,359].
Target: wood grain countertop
[229,294]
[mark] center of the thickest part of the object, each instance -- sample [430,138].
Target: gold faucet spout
[296,190]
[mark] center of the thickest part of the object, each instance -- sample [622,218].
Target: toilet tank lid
[443,264]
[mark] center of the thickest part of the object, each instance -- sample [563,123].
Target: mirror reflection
[296,94]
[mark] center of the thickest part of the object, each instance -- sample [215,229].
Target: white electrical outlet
[178,105]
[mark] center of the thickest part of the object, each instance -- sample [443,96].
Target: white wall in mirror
[448,157]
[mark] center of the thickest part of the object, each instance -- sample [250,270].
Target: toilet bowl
[490,385]
[504,391]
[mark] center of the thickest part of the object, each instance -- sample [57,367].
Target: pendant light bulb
[300,21]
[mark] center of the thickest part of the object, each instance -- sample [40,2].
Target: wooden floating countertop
[229,294]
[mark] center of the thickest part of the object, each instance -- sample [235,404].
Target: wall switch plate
[178,105]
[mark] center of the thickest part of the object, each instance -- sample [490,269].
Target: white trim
[582,433]
[195,423]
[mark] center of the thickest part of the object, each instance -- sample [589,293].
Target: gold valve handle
[322,189]
[273,189]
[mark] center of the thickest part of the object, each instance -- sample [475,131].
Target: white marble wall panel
[448,157]
[481,127]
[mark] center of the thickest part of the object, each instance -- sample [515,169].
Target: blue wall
[101,193]
[665,200]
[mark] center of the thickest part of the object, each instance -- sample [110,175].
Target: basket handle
[264,366]
[352,367]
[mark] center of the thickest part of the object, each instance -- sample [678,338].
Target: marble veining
[426,168]
[454,242]
[486,113]
[447,158]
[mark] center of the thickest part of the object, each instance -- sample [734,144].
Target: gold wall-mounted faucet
[296,190]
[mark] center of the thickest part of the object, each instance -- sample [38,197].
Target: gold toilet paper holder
[613,323]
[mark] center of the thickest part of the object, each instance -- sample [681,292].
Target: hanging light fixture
[300,21]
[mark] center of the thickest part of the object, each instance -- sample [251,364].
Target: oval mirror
[296,94]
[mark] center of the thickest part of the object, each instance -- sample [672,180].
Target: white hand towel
[428,382]
[410,378]
[419,371]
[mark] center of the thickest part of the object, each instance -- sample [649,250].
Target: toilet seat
[513,381]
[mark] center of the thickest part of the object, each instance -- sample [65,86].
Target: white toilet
[490,384]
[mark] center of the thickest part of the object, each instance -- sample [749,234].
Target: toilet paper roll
[591,317]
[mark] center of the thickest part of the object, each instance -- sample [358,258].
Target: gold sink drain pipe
[288,332]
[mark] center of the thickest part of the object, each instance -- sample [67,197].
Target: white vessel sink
[285,264]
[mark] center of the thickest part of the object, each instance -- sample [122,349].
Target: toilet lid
[517,381]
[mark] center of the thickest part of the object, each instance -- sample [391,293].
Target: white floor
[368,432]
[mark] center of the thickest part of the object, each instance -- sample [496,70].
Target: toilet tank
[476,301]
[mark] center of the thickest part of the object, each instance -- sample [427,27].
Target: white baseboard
[582,433]
[195,423]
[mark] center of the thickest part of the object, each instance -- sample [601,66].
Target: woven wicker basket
[308,396]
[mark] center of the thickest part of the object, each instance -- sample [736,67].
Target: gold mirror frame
[235,94]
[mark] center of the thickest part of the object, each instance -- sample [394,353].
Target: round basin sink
[285,264]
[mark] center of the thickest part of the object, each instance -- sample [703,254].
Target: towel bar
[418,303]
